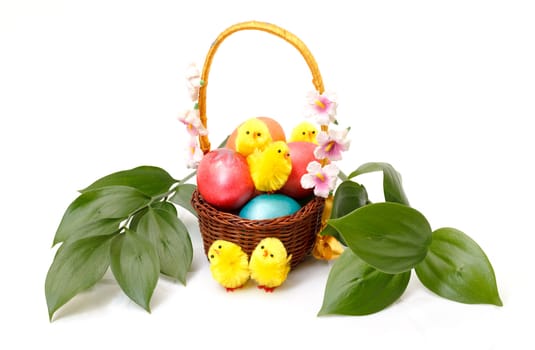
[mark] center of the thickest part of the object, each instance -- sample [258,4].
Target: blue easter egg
[269,206]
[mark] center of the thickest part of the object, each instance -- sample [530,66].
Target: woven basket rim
[274,222]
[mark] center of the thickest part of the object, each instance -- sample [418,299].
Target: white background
[442,91]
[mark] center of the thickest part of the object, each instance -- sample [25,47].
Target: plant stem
[188,177]
[342,175]
[173,188]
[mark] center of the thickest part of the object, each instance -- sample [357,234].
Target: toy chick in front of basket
[270,264]
[229,264]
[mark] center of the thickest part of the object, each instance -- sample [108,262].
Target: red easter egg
[301,153]
[223,179]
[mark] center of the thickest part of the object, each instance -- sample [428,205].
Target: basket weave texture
[298,231]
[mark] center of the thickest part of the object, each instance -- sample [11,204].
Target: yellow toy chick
[252,135]
[229,264]
[270,168]
[270,264]
[304,131]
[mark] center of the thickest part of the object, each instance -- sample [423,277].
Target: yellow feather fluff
[270,264]
[252,135]
[271,167]
[229,264]
[304,131]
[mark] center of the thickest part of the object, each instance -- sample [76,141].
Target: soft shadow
[165,287]
[309,269]
[93,298]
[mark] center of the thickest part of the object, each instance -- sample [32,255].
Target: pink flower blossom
[193,81]
[321,107]
[332,144]
[194,153]
[192,120]
[322,179]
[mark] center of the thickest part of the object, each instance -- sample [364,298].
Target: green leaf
[134,263]
[348,196]
[356,288]
[456,268]
[389,236]
[97,228]
[392,188]
[91,211]
[149,180]
[183,195]
[76,267]
[170,238]
[331,231]
[165,206]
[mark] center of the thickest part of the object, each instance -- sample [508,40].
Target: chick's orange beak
[265,253]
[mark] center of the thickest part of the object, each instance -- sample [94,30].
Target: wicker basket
[298,231]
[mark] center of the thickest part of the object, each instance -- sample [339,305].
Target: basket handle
[252,25]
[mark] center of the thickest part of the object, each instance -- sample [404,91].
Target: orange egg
[275,129]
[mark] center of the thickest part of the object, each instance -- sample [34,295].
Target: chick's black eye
[313,132]
[212,256]
[271,255]
[219,247]
[262,247]
[279,151]
[247,132]
[258,134]
[304,133]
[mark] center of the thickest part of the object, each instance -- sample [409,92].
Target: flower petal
[307,181]
[193,92]
[193,122]
[313,167]
[193,81]
[192,72]
[194,153]
[331,170]
[319,153]
[322,107]
[327,248]
[322,190]
[322,137]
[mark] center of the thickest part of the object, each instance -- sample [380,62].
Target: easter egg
[301,153]
[223,179]
[269,206]
[275,129]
